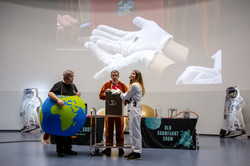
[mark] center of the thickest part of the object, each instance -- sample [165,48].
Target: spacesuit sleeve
[24,103]
[242,103]
[130,93]
[37,102]
[226,107]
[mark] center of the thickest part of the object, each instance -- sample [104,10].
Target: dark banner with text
[169,133]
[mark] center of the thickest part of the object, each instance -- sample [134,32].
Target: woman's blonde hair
[138,79]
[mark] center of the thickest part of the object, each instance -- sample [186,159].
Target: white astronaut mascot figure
[29,110]
[233,112]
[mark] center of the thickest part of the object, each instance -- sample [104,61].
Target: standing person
[67,88]
[233,112]
[114,83]
[134,95]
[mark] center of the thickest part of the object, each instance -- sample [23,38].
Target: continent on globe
[63,121]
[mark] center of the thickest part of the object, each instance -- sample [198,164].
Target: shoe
[129,155]
[229,132]
[71,152]
[234,134]
[223,133]
[107,151]
[121,152]
[37,126]
[135,156]
[24,127]
[243,132]
[60,154]
[29,128]
[231,135]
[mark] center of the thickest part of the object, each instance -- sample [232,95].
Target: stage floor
[18,149]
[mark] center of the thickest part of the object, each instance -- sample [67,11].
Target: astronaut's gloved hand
[200,75]
[139,60]
[101,55]
[150,37]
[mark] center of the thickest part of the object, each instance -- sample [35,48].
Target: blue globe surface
[63,121]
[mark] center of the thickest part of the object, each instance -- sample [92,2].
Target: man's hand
[68,28]
[78,94]
[60,102]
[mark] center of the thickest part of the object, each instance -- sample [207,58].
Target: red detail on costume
[116,87]
[108,85]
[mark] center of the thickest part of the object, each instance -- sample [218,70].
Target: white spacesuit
[233,112]
[134,110]
[29,110]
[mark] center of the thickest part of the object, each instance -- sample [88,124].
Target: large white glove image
[200,75]
[150,37]
[203,75]
[139,60]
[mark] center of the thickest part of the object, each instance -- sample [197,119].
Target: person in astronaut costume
[233,112]
[30,104]
[134,95]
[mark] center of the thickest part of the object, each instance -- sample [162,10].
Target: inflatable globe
[63,121]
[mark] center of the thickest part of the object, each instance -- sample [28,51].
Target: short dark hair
[114,71]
